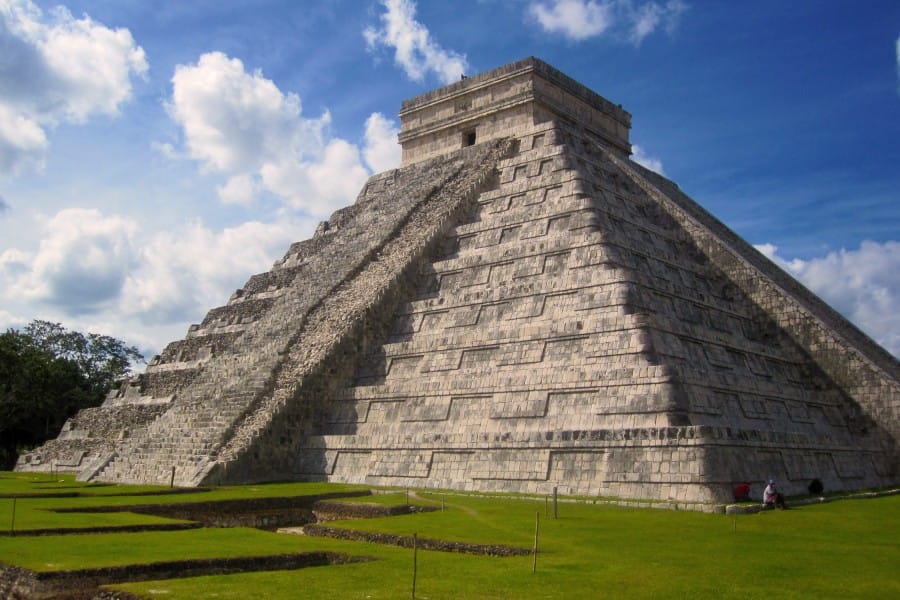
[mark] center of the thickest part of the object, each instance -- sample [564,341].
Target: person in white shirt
[772,497]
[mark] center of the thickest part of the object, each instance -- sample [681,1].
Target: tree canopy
[47,374]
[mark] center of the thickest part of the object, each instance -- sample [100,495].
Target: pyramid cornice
[495,103]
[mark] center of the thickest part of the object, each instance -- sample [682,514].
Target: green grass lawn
[33,512]
[842,549]
[113,549]
[846,549]
[42,484]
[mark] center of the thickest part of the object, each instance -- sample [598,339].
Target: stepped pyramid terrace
[518,307]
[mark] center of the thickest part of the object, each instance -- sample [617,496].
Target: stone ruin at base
[518,307]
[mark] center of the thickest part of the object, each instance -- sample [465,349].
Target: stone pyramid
[517,307]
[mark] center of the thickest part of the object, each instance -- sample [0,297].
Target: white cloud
[56,68]
[192,269]
[81,263]
[414,49]
[240,124]
[14,262]
[234,120]
[10,320]
[575,19]
[862,284]
[623,19]
[167,150]
[647,18]
[22,141]
[102,273]
[382,150]
[240,189]
[645,160]
[321,187]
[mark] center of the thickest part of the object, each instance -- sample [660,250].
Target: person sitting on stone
[772,498]
[742,492]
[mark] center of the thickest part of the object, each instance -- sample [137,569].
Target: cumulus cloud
[382,150]
[319,187]
[22,141]
[645,160]
[240,189]
[862,284]
[54,69]
[81,263]
[193,268]
[10,320]
[623,19]
[234,120]
[414,49]
[241,125]
[14,262]
[102,273]
[575,19]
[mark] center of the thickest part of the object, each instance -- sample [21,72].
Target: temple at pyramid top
[497,103]
[519,307]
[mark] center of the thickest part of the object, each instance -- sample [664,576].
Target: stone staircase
[215,408]
[189,433]
[347,313]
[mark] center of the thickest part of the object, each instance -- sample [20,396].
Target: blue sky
[152,159]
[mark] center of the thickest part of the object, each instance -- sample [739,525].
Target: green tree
[47,374]
[102,360]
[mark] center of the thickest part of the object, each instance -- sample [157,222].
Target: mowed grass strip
[59,553]
[43,484]
[24,484]
[440,575]
[27,512]
[38,514]
[20,515]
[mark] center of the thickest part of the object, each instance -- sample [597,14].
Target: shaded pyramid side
[573,332]
[779,383]
[843,354]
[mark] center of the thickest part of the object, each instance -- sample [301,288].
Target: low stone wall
[332,511]
[262,513]
[109,529]
[405,541]
[17,583]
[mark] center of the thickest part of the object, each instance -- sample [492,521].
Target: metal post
[415,566]
[554,501]
[172,479]
[537,526]
[12,521]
